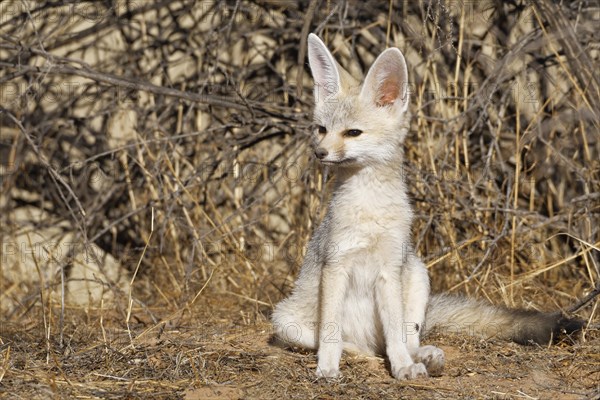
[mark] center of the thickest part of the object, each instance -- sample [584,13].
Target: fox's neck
[374,191]
[390,172]
[384,178]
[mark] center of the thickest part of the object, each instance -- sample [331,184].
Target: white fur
[360,286]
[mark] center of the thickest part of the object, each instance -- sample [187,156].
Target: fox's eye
[322,129]
[353,132]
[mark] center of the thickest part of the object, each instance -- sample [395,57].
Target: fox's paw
[332,372]
[328,360]
[413,371]
[433,358]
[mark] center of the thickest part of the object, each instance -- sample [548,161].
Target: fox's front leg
[391,311]
[334,282]
[415,292]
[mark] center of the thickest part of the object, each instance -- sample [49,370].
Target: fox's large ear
[324,69]
[386,83]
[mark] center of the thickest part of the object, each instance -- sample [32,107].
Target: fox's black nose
[321,153]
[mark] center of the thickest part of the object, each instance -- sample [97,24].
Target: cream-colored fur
[361,287]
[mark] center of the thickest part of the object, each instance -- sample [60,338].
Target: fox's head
[358,125]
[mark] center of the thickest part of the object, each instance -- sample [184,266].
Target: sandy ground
[219,349]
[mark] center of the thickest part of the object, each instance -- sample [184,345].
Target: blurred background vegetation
[154,150]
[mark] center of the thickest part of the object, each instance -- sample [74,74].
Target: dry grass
[158,190]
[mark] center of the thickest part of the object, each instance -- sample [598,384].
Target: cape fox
[361,288]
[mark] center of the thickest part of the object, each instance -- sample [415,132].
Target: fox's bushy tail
[459,314]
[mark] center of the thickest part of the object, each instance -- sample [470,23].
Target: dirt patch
[205,354]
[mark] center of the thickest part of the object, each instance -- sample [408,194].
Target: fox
[361,287]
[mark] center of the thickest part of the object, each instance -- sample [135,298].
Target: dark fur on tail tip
[543,328]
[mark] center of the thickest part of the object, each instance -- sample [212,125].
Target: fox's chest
[368,238]
[370,221]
